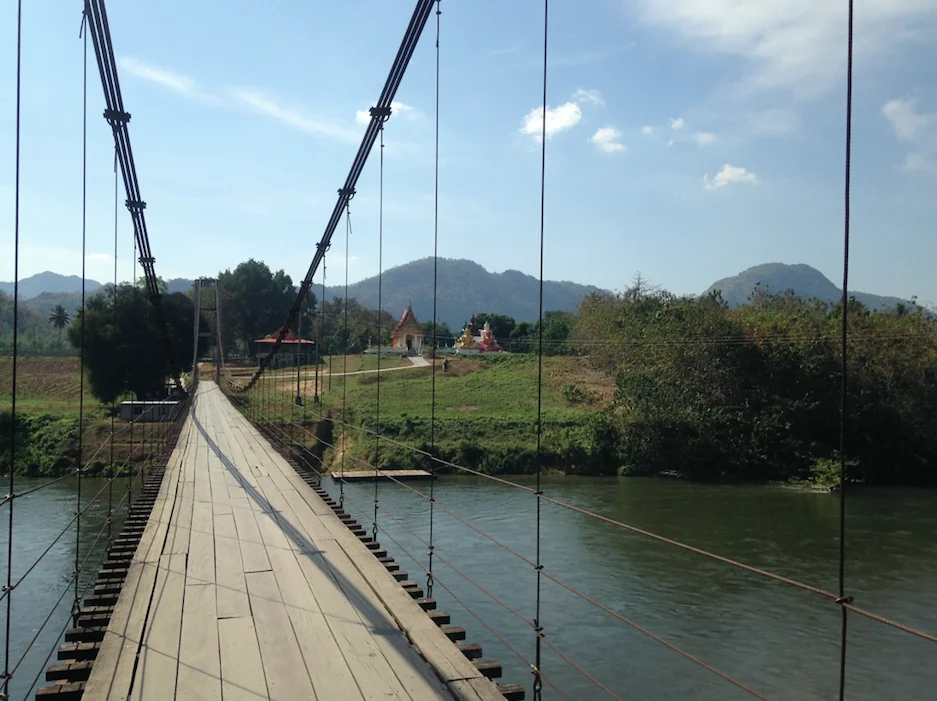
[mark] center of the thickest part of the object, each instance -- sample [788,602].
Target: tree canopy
[130,356]
[255,302]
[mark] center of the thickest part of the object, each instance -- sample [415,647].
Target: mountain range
[805,281]
[465,288]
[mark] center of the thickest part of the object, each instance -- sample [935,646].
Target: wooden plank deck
[246,586]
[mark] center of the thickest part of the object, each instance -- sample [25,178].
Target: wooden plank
[242,672]
[330,674]
[159,654]
[284,666]
[432,643]
[199,677]
[229,570]
[201,564]
[253,553]
[368,666]
[113,667]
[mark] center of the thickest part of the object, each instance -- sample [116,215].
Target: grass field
[47,407]
[485,410]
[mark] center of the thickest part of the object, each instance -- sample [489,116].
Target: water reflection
[782,641]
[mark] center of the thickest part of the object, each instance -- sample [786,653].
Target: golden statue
[466,342]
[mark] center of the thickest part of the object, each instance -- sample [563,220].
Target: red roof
[289,339]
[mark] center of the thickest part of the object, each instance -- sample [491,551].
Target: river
[781,641]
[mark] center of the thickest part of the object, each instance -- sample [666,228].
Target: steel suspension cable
[341,484]
[844,387]
[76,604]
[538,630]
[118,118]
[394,78]
[16,284]
[110,493]
[380,309]
[321,334]
[432,414]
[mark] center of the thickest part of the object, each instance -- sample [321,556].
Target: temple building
[407,334]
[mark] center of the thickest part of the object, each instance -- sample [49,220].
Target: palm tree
[59,318]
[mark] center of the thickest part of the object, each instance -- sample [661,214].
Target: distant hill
[807,282]
[50,284]
[464,288]
[35,285]
[179,284]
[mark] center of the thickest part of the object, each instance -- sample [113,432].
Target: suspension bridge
[239,572]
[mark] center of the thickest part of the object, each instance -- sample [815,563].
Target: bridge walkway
[246,585]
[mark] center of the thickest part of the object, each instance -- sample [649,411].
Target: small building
[293,350]
[149,411]
[407,334]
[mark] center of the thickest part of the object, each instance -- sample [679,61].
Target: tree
[130,356]
[59,319]
[443,333]
[255,302]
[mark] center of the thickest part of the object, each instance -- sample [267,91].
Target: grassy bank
[48,409]
[485,413]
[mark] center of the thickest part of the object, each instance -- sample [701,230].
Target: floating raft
[383,475]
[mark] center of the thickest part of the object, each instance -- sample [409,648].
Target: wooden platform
[246,585]
[383,475]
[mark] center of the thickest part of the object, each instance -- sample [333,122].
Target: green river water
[781,641]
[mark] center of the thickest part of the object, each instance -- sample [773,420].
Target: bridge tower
[213,298]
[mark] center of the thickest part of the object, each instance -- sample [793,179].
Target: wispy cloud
[98,257]
[292,116]
[729,175]
[177,82]
[916,129]
[704,138]
[591,97]
[791,45]
[561,118]
[606,139]
[647,130]
[676,123]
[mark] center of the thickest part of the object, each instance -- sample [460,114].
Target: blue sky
[688,139]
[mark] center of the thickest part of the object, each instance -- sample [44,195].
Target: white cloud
[676,123]
[728,175]
[793,45]
[561,118]
[607,139]
[182,84]
[647,130]
[592,97]
[704,138]
[671,142]
[916,129]
[362,116]
[291,116]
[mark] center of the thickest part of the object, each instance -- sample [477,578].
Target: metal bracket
[381,113]
[114,117]
[135,205]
